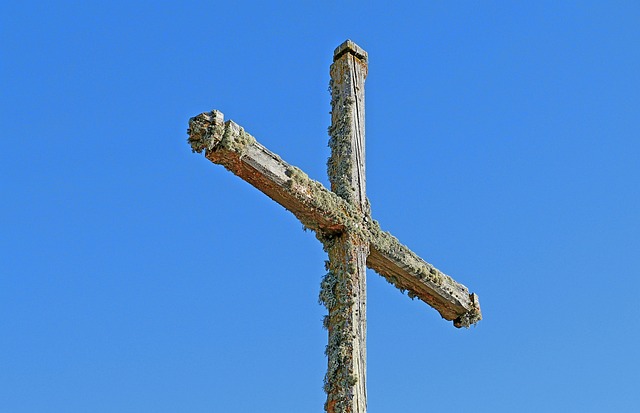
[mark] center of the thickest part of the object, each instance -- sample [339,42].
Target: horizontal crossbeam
[324,212]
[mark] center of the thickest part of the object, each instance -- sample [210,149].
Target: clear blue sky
[502,146]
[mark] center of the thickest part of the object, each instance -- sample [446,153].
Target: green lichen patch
[316,197]
[209,132]
[422,280]
[297,175]
[235,138]
[339,166]
[472,317]
[390,246]
[337,290]
[205,131]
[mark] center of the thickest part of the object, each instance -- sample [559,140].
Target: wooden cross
[341,220]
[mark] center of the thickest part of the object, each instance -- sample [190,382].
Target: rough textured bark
[344,288]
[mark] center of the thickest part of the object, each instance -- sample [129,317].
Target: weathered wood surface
[327,214]
[344,287]
[407,271]
[341,220]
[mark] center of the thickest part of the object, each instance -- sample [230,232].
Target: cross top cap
[350,47]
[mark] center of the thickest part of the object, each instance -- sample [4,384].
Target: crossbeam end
[408,272]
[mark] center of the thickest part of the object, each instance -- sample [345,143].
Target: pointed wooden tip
[350,47]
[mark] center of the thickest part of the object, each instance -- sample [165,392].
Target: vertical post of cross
[344,287]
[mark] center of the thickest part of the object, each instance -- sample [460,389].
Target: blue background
[502,146]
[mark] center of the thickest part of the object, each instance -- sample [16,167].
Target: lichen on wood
[408,272]
[328,215]
[205,131]
[341,292]
[343,289]
[340,128]
[341,220]
[336,292]
[209,132]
